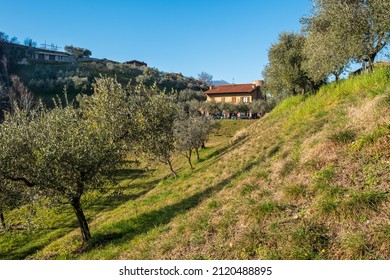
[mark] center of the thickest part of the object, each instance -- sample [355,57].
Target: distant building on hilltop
[235,93]
[22,54]
[136,63]
[51,55]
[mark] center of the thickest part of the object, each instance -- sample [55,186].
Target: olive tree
[258,107]
[202,128]
[352,30]
[191,95]
[12,195]
[8,199]
[324,50]
[284,74]
[191,133]
[77,52]
[213,108]
[66,151]
[155,139]
[184,137]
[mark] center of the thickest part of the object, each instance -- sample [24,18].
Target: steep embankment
[310,180]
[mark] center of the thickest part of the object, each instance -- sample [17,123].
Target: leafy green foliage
[77,52]
[67,151]
[11,196]
[341,31]
[284,75]
[191,133]
[155,137]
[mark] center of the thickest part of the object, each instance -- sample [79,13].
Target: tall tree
[3,37]
[284,73]
[155,139]
[358,29]
[14,40]
[184,136]
[12,195]
[29,42]
[191,132]
[205,78]
[77,52]
[324,51]
[68,150]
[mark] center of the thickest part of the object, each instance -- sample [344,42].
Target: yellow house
[235,93]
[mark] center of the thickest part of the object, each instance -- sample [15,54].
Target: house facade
[236,93]
[51,55]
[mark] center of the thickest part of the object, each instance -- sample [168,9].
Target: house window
[212,99]
[245,99]
[234,99]
[222,99]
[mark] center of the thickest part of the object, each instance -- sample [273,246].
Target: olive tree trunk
[2,220]
[85,233]
[188,156]
[197,153]
[171,168]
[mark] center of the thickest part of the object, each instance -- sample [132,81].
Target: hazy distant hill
[220,82]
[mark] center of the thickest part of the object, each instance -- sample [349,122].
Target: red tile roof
[232,88]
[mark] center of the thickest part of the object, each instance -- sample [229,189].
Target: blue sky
[227,39]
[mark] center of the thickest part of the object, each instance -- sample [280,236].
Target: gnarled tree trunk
[171,168]
[188,156]
[197,153]
[81,219]
[2,220]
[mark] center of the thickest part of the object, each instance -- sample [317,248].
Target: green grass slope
[310,180]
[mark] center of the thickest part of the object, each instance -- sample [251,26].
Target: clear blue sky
[227,39]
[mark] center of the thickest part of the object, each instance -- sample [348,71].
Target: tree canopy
[67,150]
[344,31]
[77,52]
[284,74]
[205,78]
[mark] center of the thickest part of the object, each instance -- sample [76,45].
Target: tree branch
[21,179]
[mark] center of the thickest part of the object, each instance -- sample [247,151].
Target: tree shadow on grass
[118,196]
[125,230]
[21,249]
[127,173]
[27,243]
[216,155]
[220,152]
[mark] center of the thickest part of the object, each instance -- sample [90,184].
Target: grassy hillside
[310,180]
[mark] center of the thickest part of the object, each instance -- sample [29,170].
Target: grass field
[310,180]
